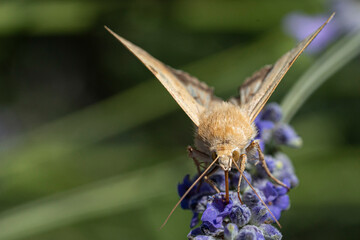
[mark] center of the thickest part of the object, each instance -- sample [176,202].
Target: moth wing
[257,89]
[200,91]
[251,86]
[192,95]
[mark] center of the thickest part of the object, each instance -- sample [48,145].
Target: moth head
[225,158]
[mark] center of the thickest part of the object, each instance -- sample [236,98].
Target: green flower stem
[329,63]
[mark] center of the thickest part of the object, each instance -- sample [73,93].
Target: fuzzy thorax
[223,128]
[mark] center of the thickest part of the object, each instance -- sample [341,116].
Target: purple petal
[262,145]
[270,192]
[283,202]
[270,232]
[204,238]
[234,180]
[285,170]
[210,214]
[199,204]
[250,198]
[219,203]
[240,215]
[231,231]
[219,179]
[276,211]
[210,228]
[184,186]
[270,162]
[286,135]
[194,220]
[250,232]
[264,129]
[195,232]
[282,190]
[259,214]
[227,209]
[272,112]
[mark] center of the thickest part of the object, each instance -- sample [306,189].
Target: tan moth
[224,129]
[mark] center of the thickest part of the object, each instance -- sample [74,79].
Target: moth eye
[213,155]
[235,155]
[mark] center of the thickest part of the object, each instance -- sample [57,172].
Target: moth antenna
[187,192]
[272,215]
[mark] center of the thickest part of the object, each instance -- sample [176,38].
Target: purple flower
[182,188]
[234,180]
[194,220]
[250,198]
[194,196]
[272,132]
[275,196]
[196,200]
[250,232]
[216,211]
[285,135]
[264,129]
[270,162]
[240,215]
[195,232]
[270,232]
[259,213]
[272,112]
[231,231]
[233,220]
[204,237]
[284,169]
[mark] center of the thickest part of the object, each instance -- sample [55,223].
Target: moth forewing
[260,94]
[167,78]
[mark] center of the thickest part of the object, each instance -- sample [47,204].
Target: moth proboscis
[225,130]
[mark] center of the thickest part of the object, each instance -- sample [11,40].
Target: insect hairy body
[225,131]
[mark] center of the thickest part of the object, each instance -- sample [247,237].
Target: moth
[225,130]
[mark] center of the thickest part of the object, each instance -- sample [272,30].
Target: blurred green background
[92,146]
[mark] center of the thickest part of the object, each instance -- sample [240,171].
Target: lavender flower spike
[216,219]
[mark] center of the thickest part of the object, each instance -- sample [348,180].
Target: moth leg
[191,155]
[195,154]
[210,182]
[198,157]
[243,160]
[255,144]
[201,156]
